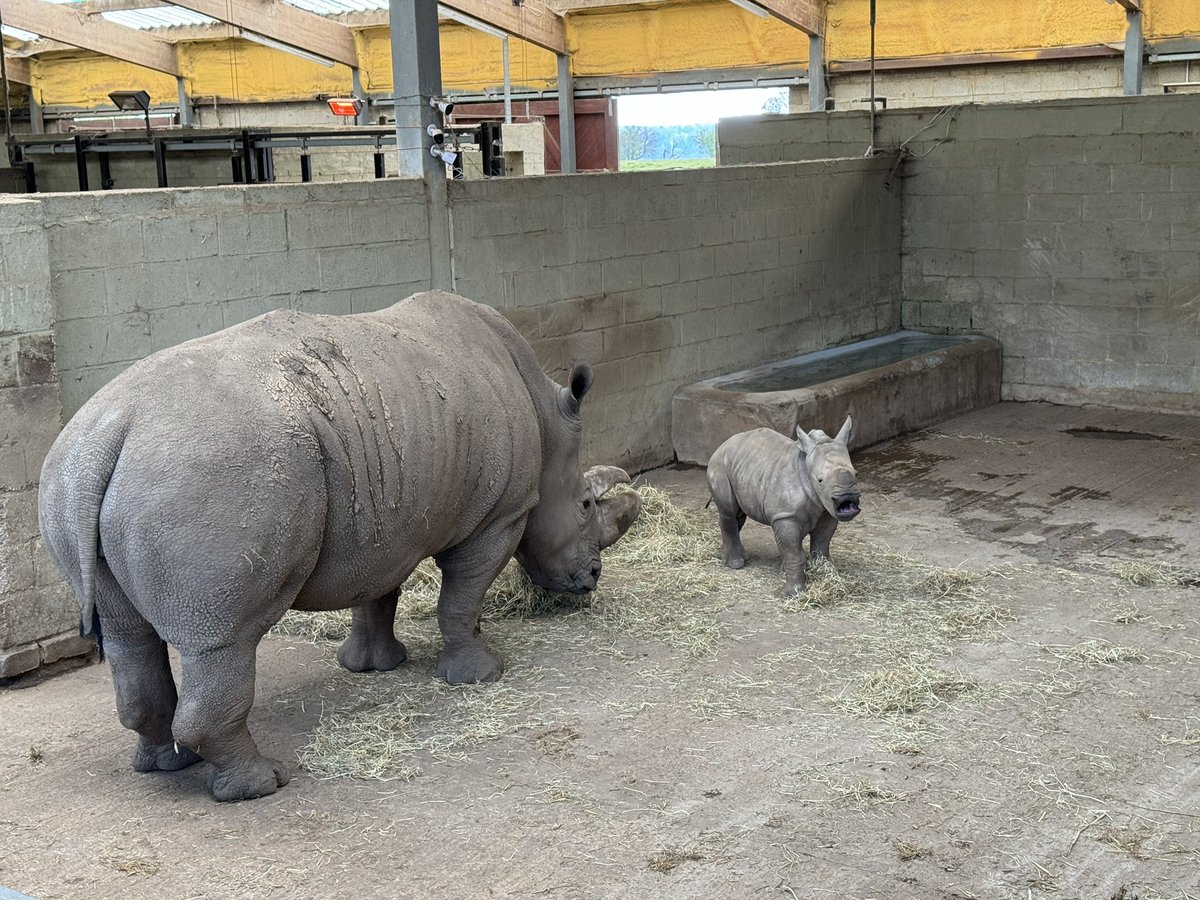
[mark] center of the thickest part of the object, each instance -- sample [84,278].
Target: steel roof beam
[60,22]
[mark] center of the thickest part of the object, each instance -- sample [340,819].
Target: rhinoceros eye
[587,502]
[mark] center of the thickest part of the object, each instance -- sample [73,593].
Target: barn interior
[992,692]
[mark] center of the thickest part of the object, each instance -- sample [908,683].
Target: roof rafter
[95,7]
[802,14]
[60,22]
[1131,5]
[284,23]
[17,70]
[531,21]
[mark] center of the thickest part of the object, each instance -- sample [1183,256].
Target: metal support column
[817,91]
[417,78]
[507,79]
[185,105]
[356,89]
[81,163]
[1135,52]
[160,161]
[566,114]
[37,122]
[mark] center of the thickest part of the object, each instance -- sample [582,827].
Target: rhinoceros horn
[843,436]
[614,514]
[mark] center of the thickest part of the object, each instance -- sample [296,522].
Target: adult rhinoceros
[311,462]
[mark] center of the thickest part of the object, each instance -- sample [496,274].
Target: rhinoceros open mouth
[847,508]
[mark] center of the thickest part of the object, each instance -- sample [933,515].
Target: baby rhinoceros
[799,488]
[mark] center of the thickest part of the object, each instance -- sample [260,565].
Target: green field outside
[654,165]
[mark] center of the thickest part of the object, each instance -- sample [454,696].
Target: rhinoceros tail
[73,484]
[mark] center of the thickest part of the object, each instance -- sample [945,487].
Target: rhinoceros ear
[843,436]
[579,384]
[805,440]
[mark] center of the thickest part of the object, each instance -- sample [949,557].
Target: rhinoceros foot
[168,757]
[734,560]
[257,778]
[791,589]
[381,653]
[469,665]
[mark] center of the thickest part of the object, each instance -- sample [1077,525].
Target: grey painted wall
[1068,230]
[664,278]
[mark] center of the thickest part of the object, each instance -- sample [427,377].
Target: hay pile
[662,583]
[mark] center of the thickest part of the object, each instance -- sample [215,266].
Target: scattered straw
[130,863]
[1148,574]
[908,852]
[909,687]
[1096,652]
[668,859]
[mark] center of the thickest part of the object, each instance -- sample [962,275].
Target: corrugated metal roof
[171,16]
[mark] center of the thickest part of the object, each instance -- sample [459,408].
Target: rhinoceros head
[829,466]
[573,520]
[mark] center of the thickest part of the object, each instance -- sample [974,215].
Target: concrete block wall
[39,620]
[663,278]
[137,271]
[1067,230]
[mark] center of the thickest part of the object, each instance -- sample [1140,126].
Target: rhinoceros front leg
[822,534]
[468,570]
[217,692]
[789,538]
[372,643]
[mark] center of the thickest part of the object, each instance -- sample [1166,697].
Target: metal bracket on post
[566,115]
[1135,52]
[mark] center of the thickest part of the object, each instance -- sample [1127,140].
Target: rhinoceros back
[337,451]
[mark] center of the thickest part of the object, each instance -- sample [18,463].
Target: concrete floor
[1086,785]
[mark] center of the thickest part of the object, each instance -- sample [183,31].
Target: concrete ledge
[26,658]
[886,401]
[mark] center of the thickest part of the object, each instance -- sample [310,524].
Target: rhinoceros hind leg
[141,676]
[733,554]
[372,644]
[218,690]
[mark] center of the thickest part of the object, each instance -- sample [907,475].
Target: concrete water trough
[892,384]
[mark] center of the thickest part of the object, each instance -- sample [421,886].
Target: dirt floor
[995,705]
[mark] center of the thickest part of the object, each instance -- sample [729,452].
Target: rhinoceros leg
[733,554]
[789,539]
[218,690]
[730,515]
[142,679]
[372,643]
[468,570]
[822,534]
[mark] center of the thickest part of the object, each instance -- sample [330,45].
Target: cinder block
[660,268]
[314,226]
[96,244]
[1056,207]
[143,286]
[239,234]
[177,324]
[35,359]
[1082,179]
[641,305]
[79,293]
[288,272]
[678,299]
[78,385]
[180,237]
[621,275]
[107,339]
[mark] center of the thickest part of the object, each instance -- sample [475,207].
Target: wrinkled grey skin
[311,462]
[799,488]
